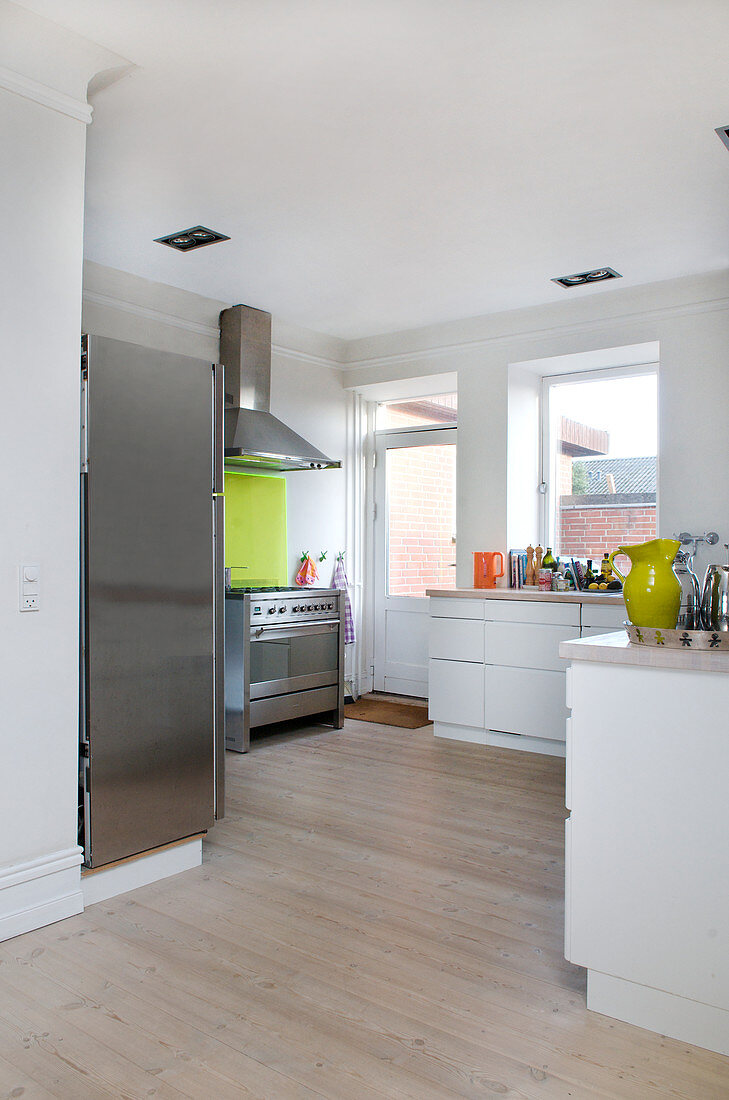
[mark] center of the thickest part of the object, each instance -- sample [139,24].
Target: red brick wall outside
[421,484]
[564,475]
[589,532]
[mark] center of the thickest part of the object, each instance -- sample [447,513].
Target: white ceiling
[385,164]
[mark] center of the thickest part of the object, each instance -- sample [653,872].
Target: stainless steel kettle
[689,612]
[715,597]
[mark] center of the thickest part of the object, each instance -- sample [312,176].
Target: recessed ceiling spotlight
[599,275]
[723,132]
[187,239]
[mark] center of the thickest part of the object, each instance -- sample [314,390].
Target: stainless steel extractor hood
[254,437]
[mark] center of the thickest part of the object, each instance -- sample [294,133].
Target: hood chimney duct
[254,438]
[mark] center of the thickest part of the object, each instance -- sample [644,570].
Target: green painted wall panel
[255,528]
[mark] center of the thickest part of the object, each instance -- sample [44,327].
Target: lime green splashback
[255,528]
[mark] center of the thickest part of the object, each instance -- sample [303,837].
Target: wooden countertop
[608,599]
[617,650]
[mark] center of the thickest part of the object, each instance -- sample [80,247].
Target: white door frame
[383,603]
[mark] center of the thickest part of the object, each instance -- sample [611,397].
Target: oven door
[290,658]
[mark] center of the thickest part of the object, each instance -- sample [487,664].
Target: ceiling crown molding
[170,319]
[307,357]
[197,327]
[506,339]
[48,97]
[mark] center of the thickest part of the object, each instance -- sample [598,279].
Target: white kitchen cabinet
[532,611]
[457,639]
[524,674]
[525,701]
[514,645]
[647,862]
[527,645]
[456,609]
[456,693]
[602,620]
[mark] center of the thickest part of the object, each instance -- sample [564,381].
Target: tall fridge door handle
[218,427]
[219,653]
[84,425]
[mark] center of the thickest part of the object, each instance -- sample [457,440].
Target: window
[439,411]
[599,460]
[421,514]
[416,448]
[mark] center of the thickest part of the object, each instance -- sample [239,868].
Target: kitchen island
[495,673]
[646,853]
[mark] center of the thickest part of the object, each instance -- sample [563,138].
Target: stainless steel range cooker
[284,658]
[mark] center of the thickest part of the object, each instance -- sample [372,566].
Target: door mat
[370,709]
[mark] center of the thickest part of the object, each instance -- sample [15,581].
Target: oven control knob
[315,607]
[281,610]
[295,607]
[272,611]
[330,606]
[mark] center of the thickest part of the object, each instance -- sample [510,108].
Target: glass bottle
[549,561]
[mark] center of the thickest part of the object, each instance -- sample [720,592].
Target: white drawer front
[465,608]
[527,701]
[456,693]
[529,611]
[527,645]
[457,639]
[608,618]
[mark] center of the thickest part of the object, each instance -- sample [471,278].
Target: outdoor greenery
[579,478]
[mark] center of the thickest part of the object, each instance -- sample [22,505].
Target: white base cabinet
[495,674]
[527,701]
[456,692]
[647,858]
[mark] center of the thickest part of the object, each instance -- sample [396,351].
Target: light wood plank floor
[380,915]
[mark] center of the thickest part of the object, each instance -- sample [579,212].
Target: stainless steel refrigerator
[152,601]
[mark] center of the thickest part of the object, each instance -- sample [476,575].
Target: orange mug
[484,568]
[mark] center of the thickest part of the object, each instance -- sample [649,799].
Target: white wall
[522,459]
[311,399]
[689,318]
[42,136]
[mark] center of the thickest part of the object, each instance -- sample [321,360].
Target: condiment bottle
[549,561]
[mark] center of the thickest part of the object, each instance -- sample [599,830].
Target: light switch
[29,587]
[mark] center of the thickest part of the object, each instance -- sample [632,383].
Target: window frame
[546,464]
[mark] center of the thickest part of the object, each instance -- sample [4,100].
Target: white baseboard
[679,1018]
[107,882]
[40,892]
[396,685]
[522,743]
[475,735]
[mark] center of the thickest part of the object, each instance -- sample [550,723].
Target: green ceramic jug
[652,590]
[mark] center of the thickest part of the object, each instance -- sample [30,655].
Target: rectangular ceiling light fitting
[599,275]
[723,132]
[187,239]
